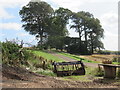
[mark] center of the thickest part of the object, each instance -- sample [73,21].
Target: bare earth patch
[16,77]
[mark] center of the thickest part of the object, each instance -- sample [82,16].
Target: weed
[46,72]
[98,72]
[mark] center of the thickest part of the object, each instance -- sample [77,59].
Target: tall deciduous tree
[35,16]
[89,29]
[96,32]
[58,27]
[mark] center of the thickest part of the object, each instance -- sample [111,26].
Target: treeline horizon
[50,28]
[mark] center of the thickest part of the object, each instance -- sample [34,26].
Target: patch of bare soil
[16,77]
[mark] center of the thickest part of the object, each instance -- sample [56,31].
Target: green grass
[116,63]
[89,76]
[47,56]
[45,72]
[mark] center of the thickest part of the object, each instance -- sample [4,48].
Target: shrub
[118,73]
[13,54]
[107,52]
[115,59]
[46,72]
[98,72]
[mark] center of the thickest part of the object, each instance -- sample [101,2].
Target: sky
[105,10]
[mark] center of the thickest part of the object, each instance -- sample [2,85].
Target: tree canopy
[35,16]
[89,30]
[42,21]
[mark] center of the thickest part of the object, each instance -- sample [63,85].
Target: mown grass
[47,56]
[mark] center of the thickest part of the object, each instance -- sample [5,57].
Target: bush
[98,72]
[13,54]
[46,72]
[115,59]
[118,73]
[107,52]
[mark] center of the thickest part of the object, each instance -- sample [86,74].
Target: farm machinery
[69,68]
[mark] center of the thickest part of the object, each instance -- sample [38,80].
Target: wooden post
[44,65]
[55,69]
[110,72]
[73,67]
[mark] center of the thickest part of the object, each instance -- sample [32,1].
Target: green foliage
[36,17]
[89,28]
[42,47]
[56,42]
[98,72]
[12,54]
[58,29]
[118,73]
[46,72]
[115,59]
[109,52]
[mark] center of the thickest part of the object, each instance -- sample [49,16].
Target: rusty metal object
[72,68]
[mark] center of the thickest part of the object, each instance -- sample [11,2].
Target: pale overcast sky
[105,10]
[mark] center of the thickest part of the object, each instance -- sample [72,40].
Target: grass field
[47,56]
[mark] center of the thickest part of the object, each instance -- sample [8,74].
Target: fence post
[44,65]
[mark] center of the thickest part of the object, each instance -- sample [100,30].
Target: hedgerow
[13,54]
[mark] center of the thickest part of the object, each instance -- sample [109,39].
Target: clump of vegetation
[46,72]
[13,54]
[98,72]
[115,59]
[118,73]
[107,52]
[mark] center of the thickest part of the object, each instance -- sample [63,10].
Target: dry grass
[98,57]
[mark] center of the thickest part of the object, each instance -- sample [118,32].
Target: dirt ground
[16,77]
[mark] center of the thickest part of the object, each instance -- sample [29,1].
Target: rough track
[70,59]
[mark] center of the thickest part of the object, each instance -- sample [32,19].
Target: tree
[35,16]
[89,30]
[80,23]
[95,34]
[58,28]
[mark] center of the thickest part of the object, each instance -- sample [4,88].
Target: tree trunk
[80,40]
[86,51]
[91,43]
[41,39]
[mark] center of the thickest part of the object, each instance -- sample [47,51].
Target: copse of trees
[51,25]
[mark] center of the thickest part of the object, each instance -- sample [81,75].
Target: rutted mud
[16,77]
